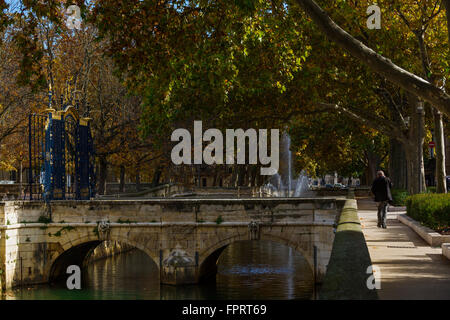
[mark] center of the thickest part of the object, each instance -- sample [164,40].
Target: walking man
[381,188]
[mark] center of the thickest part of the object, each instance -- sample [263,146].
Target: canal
[246,270]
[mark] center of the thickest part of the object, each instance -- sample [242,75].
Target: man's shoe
[384,226]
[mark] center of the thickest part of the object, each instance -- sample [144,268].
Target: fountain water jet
[282,184]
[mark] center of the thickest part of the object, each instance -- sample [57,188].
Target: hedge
[431,189]
[433,210]
[399,197]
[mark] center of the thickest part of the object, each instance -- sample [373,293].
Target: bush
[399,197]
[433,210]
[431,189]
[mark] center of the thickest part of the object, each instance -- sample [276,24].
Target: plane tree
[370,98]
[407,80]
[225,64]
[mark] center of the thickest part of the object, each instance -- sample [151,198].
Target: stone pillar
[178,268]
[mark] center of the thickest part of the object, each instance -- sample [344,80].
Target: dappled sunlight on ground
[410,268]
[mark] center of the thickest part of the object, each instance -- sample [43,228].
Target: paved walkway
[410,268]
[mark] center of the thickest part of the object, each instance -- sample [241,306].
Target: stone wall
[114,187]
[359,192]
[179,190]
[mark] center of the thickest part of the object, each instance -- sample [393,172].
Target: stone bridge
[184,237]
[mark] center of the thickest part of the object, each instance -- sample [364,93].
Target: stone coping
[433,238]
[346,277]
[396,209]
[446,250]
[168,185]
[221,201]
[138,193]
[167,224]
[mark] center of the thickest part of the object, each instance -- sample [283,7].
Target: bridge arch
[76,251]
[209,257]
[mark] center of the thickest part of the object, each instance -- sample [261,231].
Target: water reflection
[246,270]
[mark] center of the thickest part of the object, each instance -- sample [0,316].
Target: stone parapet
[346,276]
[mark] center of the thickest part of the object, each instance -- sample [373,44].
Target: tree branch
[382,125]
[381,65]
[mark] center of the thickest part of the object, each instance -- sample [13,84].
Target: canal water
[246,270]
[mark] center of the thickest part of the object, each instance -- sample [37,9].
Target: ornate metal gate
[61,156]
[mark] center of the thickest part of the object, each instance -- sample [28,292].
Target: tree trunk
[441,185]
[373,161]
[246,175]
[363,180]
[438,123]
[421,139]
[259,179]
[397,165]
[414,158]
[241,175]
[253,173]
[234,174]
[411,165]
[156,176]
[413,146]
[215,176]
[138,180]
[103,173]
[122,179]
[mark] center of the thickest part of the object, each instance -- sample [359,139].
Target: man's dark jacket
[381,188]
